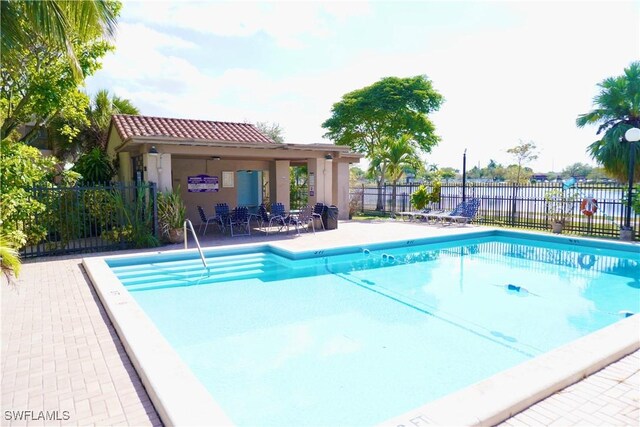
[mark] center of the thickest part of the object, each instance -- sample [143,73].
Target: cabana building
[222,162]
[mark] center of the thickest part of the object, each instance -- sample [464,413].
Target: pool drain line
[427,312]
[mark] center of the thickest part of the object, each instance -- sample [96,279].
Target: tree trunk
[513,205]
[380,201]
[10,123]
[393,198]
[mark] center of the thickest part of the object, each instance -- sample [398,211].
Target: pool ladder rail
[195,237]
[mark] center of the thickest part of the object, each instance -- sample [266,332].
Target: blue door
[249,189]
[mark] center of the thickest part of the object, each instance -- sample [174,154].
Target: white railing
[195,237]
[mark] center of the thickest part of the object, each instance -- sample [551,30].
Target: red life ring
[589,206]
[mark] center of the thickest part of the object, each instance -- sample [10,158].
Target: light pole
[464,175]
[632,136]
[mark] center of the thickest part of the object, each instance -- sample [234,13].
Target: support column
[158,170]
[125,171]
[320,181]
[150,167]
[164,172]
[279,182]
[341,189]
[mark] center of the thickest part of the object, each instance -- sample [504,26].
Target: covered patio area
[220,162]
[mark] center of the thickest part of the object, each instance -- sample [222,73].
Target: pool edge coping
[177,395]
[181,399]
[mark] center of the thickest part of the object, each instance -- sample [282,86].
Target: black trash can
[320,216]
[331,223]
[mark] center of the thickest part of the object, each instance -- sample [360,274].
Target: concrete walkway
[610,397]
[63,364]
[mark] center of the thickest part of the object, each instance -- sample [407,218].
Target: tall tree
[391,159]
[389,108]
[45,58]
[617,108]
[576,170]
[518,175]
[99,113]
[448,173]
[523,153]
[356,175]
[272,130]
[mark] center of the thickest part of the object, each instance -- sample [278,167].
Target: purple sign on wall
[202,184]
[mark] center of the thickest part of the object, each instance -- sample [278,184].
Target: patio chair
[261,217]
[439,215]
[303,219]
[318,210]
[204,220]
[239,219]
[469,212]
[277,217]
[222,215]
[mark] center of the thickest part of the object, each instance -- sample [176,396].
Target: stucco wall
[183,168]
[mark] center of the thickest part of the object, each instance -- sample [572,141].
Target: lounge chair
[439,215]
[468,214]
[413,215]
[204,220]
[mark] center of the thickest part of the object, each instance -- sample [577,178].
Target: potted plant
[560,205]
[171,215]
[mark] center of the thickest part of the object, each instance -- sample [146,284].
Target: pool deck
[60,353]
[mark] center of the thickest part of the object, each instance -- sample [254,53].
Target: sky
[509,71]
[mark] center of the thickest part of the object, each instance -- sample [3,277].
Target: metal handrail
[195,237]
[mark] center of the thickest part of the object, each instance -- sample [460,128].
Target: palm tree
[101,109]
[57,21]
[391,159]
[93,135]
[617,109]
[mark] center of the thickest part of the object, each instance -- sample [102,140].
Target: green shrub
[137,217]
[95,167]
[10,263]
[171,211]
[421,197]
[99,207]
[23,167]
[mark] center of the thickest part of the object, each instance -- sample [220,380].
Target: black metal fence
[506,204]
[89,219]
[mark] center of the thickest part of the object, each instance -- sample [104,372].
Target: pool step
[187,272]
[204,279]
[265,270]
[193,266]
[195,261]
[162,275]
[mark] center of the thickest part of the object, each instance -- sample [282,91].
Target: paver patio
[61,355]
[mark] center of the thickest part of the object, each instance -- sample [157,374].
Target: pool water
[357,338]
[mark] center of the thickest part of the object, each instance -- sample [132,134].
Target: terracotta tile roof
[132,126]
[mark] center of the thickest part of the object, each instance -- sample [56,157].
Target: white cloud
[526,80]
[287,23]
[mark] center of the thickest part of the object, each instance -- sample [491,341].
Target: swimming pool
[358,335]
